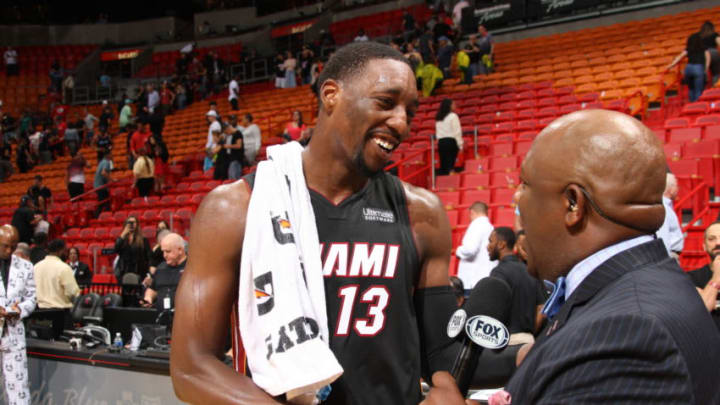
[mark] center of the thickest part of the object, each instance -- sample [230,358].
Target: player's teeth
[383,144]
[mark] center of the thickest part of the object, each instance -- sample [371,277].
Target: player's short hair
[352,59]
[505,234]
[479,207]
[56,246]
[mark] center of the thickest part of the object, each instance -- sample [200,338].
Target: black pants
[145,186]
[75,189]
[448,150]
[234,103]
[12,70]
[103,196]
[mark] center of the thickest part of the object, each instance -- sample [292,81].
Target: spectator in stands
[472,48]
[89,126]
[295,129]
[139,140]
[213,128]
[102,178]
[361,36]
[102,143]
[105,116]
[315,70]
[11,62]
[40,194]
[486,44]
[22,251]
[71,137]
[463,63]
[235,147]
[306,59]
[711,39]
[234,92]
[279,71]
[528,295]
[449,135]
[126,115]
[159,152]
[6,167]
[56,285]
[81,271]
[68,86]
[220,153]
[475,263]
[40,248]
[180,96]
[252,140]
[670,231]
[215,68]
[697,65]
[707,278]
[144,173]
[430,77]
[459,289]
[408,23]
[23,157]
[153,99]
[290,65]
[133,251]
[76,174]
[167,277]
[156,256]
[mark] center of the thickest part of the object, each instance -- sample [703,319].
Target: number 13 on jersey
[376,297]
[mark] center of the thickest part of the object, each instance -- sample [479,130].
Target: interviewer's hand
[445,391]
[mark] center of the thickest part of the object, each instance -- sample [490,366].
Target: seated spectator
[144,173]
[295,129]
[54,279]
[133,251]
[161,292]
[707,278]
[76,174]
[81,271]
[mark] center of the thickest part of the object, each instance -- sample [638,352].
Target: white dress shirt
[475,262]
[670,231]
[583,269]
[450,127]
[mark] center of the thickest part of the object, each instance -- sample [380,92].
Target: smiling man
[707,278]
[398,234]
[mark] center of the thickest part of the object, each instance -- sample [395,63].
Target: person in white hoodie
[475,262]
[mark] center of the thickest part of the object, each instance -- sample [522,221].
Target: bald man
[626,326]
[167,276]
[17,301]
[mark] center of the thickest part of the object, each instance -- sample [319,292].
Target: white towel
[281,283]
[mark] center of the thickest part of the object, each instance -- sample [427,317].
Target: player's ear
[330,94]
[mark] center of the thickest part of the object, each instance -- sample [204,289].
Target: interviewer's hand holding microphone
[480,324]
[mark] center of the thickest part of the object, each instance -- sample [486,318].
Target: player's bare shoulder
[423,205]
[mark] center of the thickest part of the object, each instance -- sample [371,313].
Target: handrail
[80,197]
[696,218]
[406,159]
[703,187]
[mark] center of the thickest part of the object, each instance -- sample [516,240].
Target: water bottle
[117,342]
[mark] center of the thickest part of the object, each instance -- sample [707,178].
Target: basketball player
[367,99]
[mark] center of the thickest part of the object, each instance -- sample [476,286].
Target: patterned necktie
[556,300]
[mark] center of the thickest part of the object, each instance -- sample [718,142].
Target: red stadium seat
[504,163]
[450,199]
[706,120]
[504,179]
[470,196]
[677,123]
[447,183]
[501,149]
[453,217]
[503,196]
[504,216]
[679,135]
[475,180]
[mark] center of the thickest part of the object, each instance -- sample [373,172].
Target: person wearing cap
[125,115]
[444,55]
[212,117]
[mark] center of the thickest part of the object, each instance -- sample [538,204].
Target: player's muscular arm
[204,301]
[431,230]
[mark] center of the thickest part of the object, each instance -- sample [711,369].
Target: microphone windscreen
[491,297]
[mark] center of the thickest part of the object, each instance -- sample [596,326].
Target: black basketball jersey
[370,266]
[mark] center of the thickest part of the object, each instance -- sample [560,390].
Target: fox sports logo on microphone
[487,332]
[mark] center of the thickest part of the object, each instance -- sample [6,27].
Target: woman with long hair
[133,250]
[82,272]
[711,40]
[144,172]
[698,62]
[295,129]
[449,135]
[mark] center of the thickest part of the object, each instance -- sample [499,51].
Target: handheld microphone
[483,319]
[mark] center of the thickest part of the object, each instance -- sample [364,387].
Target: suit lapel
[610,270]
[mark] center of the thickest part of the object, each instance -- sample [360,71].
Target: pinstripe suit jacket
[635,331]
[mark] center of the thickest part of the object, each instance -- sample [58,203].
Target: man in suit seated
[629,326]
